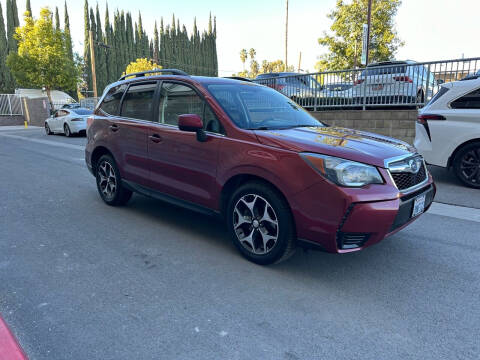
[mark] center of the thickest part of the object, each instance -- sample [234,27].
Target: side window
[468,101]
[138,101]
[60,113]
[177,99]
[111,102]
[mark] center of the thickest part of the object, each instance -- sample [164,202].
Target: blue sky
[431,29]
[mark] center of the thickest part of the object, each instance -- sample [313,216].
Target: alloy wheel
[67,130]
[107,180]
[255,224]
[470,166]
[47,129]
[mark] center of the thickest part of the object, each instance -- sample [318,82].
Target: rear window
[384,70]
[443,90]
[468,101]
[138,101]
[82,111]
[111,102]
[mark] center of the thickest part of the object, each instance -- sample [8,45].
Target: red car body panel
[197,172]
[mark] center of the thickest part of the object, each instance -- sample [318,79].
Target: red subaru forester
[279,177]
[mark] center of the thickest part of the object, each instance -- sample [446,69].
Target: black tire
[66,130]
[118,197]
[47,129]
[466,165]
[285,243]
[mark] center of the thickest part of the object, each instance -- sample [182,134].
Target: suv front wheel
[466,165]
[260,223]
[109,182]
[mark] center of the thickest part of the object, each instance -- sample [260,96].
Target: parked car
[395,82]
[71,106]
[67,121]
[472,76]
[448,130]
[336,94]
[279,177]
[301,88]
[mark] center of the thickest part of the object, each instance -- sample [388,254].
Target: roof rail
[155,71]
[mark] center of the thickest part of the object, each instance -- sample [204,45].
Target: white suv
[448,130]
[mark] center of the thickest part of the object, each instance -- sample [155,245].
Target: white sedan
[68,121]
[448,130]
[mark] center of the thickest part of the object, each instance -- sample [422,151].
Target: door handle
[114,127]
[156,138]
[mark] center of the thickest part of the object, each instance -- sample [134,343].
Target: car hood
[345,143]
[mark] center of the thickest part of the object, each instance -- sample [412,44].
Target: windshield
[257,107]
[82,111]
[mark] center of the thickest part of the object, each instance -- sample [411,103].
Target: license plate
[418,205]
[377,87]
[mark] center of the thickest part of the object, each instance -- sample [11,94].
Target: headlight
[343,172]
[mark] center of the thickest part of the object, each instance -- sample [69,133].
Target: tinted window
[379,70]
[256,107]
[469,101]
[177,99]
[82,111]
[438,95]
[138,101]
[111,102]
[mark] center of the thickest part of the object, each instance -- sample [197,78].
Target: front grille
[405,180]
[351,240]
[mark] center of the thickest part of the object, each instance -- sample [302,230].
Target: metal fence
[88,103]
[10,104]
[388,84]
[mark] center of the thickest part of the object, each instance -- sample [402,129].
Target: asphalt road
[81,280]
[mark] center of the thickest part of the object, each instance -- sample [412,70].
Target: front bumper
[356,224]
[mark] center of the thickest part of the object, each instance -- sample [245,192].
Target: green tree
[28,7]
[57,19]
[156,44]
[5,80]
[68,36]
[12,24]
[42,57]
[87,70]
[344,43]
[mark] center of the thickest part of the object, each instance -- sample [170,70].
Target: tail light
[422,119]
[358,81]
[278,87]
[76,119]
[403,79]
[89,121]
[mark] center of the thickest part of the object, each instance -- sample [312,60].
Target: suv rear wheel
[260,224]
[109,183]
[466,165]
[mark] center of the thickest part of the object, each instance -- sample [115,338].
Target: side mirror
[192,123]
[440,81]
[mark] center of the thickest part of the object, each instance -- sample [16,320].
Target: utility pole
[299,61]
[369,15]
[92,60]
[286,39]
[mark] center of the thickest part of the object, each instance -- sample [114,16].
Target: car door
[181,165]
[58,120]
[127,112]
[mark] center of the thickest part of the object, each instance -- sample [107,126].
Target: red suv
[279,177]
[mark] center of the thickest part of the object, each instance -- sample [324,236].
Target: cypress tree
[4,72]
[28,8]
[57,19]
[156,44]
[100,59]
[68,36]
[86,49]
[11,25]
[111,73]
